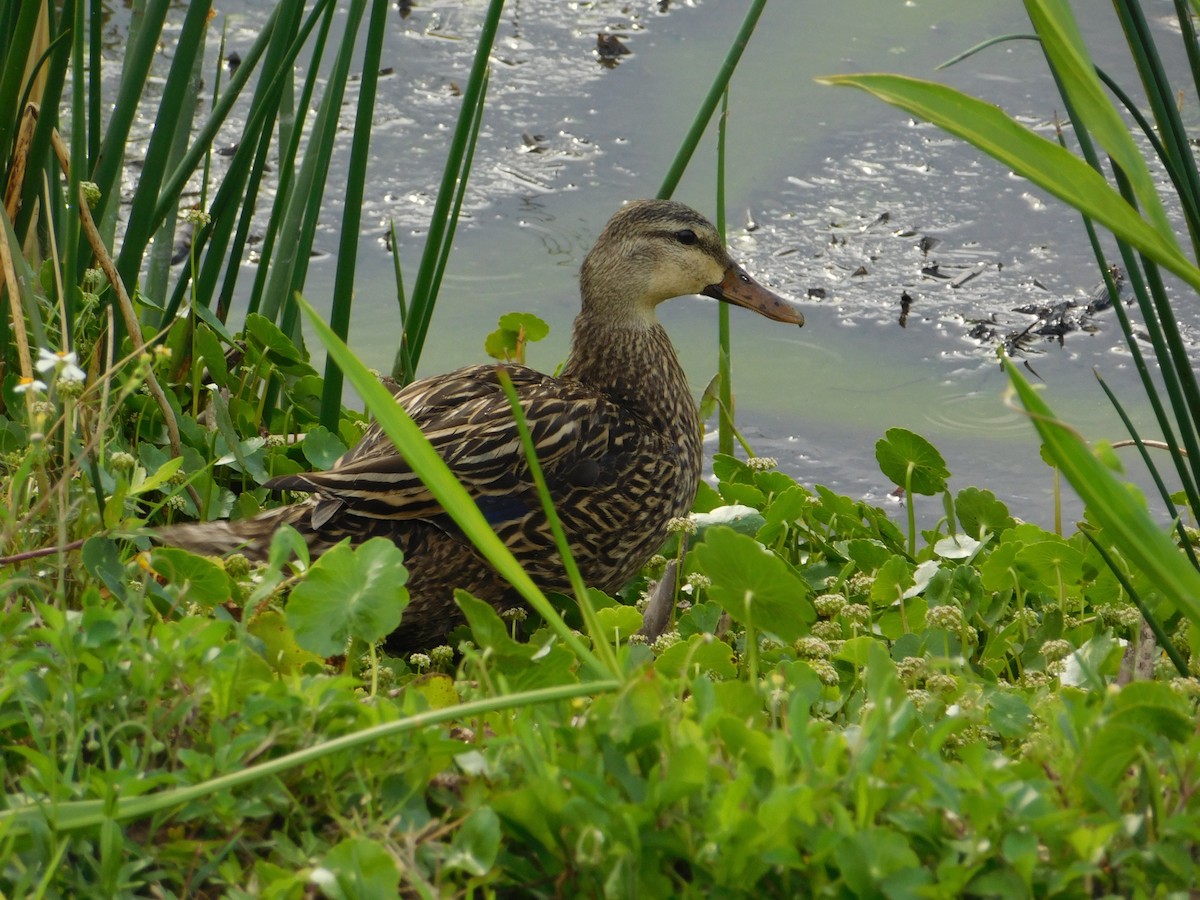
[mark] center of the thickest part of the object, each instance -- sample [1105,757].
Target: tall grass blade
[1064,47]
[599,641]
[724,362]
[275,34]
[162,250]
[1180,160]
[356,177]
[296,192]
[1049,166]
[12,75]
[430,300]
[1142,292]
[276,46]
[1112,506]
[174,119]
[709,105]
[134,72]
[440,235]
[1144,453]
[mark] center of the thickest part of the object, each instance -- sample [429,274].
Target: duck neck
[635,365]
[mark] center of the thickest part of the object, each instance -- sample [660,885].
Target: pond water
[853,206]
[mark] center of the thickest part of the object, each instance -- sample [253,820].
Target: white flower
[30,384]
[65,363]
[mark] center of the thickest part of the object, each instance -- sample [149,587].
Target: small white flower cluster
[685,524]
[65,368]
[762,463]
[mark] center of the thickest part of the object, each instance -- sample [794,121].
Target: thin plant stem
[709,105]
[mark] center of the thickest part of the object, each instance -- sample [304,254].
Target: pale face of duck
[653,250]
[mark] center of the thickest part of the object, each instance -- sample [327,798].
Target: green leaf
[349,593]
[271,339]
[524,665]
[980,512]
[199,579]
[1010,715]
[743,519]
[501,344]
[701,652]
[754,585]
[212,354]
[322,447]
[868,555]
[102,560]
[619,622]
[476,843]
[535,328]
[902,454]
[358,869]
[160,477]
[892,580]
[516,330]
[1053,563]
[280,649]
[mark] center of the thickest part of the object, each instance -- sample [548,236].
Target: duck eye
[687,236]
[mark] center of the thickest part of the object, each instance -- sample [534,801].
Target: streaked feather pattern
[617,437]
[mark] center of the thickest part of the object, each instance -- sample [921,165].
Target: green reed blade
[278,273]
[356,177]
[1173,361]
[174,119]
[709,105]
[1112,506]
[1144,453]
[601,643]
[1161,96]
[425,312]
[135,69]
[162,249]
[1064,47]
[237,195]
[1142,293]
[724,370]
[423,295]
[309,189]
[276,69]
[12,75]
[1160,633]
[1191,208]
[42,163]
[407,366]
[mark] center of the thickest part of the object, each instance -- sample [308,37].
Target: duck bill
[740,289]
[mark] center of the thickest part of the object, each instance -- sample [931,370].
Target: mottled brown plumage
[616,433]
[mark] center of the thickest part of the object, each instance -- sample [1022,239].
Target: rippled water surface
[834,199]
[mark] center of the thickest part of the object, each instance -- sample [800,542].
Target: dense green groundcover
[827,713]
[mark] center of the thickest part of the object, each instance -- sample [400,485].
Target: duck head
[653,250]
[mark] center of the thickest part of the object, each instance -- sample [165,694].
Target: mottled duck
[617,435]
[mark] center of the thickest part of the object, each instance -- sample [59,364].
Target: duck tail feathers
[250,537]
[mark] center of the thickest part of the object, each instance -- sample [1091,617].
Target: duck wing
[467,418]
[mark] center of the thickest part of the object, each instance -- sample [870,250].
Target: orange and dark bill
[740,289]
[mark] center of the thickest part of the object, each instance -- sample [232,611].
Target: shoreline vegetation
[833,703]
